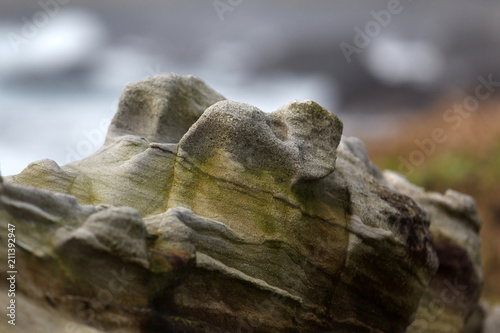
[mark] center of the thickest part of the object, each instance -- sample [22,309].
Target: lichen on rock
[205,215]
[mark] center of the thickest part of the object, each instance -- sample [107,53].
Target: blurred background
[417,81]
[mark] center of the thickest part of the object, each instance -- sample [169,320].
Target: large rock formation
[205,215]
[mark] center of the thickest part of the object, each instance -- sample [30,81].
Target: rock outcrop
[454,291]
[205,215]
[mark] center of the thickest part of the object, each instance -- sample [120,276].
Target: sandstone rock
[296,142]
[205,215]
[454,291]
[161,109]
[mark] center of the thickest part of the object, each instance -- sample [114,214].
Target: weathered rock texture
[453,292]
[205,215]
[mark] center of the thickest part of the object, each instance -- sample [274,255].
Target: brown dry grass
[468,161]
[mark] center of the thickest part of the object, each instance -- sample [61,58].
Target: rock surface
[454,291]
[205,215]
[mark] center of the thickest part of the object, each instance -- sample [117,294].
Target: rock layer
[206,215]
[454,291]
